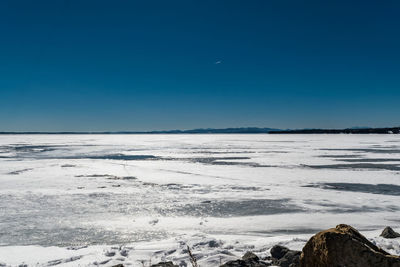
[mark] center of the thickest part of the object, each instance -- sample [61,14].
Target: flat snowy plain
[87,200]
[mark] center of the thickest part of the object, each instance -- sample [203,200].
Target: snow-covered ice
[86,200]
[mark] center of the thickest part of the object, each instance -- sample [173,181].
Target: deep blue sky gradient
[151,65]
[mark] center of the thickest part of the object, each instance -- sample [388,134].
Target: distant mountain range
[243,130]
[222,131]
[355,130]
[192,131]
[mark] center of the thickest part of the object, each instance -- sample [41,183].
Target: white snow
[87,200]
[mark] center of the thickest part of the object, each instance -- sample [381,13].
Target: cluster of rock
[339,246]
[280,256]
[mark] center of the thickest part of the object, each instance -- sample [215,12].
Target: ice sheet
[159,192]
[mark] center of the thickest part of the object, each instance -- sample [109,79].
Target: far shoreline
[248,130]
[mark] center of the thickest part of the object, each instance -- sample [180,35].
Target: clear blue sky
[146,65]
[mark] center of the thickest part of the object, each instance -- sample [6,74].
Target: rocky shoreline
[339,246]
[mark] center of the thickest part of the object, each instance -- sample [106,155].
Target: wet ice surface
[385,189]
[95,198]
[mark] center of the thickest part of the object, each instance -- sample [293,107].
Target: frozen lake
[152,192]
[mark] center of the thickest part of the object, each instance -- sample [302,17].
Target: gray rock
[110,253]
[164,264]
[242,263]
[250,256]
[284,257]
[290,259]
[277,251]
[248,260]
[213,244]
[388,232]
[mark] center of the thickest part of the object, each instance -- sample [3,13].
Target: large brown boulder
[344,246]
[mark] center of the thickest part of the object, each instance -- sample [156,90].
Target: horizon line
[237,130]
